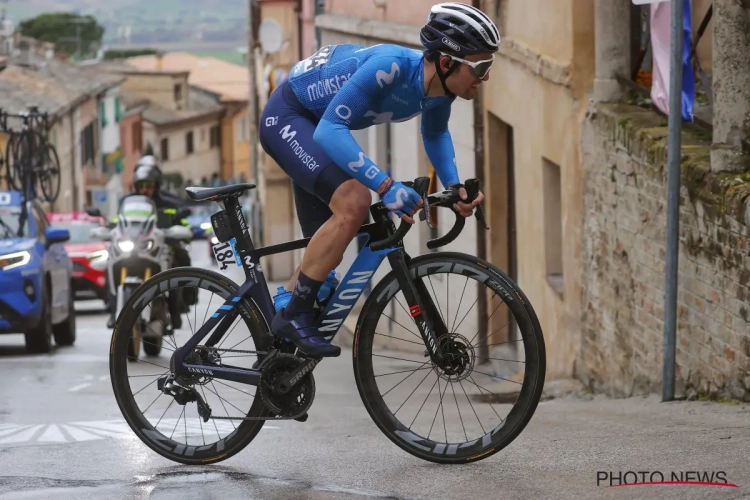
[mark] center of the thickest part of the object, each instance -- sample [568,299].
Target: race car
[89,256]
[36,296]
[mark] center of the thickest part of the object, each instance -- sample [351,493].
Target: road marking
[73,432]
[78,387]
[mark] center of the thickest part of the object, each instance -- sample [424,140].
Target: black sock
[303,296]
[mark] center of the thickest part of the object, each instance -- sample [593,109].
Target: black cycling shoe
[301,331]
[111,321]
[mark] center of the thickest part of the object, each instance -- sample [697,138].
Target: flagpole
[673,200]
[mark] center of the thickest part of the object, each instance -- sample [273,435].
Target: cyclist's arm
[438,143]
[353,101]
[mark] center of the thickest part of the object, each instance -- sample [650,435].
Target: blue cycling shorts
[286,134]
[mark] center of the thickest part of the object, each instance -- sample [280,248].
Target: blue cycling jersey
[351,87]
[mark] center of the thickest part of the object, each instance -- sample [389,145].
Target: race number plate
[224,253]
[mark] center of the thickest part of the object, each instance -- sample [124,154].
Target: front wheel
[480,400]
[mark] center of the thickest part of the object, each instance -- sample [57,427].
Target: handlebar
[445,198]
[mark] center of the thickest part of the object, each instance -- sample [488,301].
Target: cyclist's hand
[467,209]
[402,200]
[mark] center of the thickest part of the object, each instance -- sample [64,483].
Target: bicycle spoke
[438,408]
[437,302]
[402,326]
[412,392]
[232,387]
[177,423]
[400,359]
[471,379]
[205,314]
[460,417]
[467,313]
[488,319]
[460,301]
[485,337]
[134,395]
[217,395]
[508,360]
[148,363]
[165,412]
[404,371]
[213,419]
[425,400]
[495,376]
[472,407]
[412,373]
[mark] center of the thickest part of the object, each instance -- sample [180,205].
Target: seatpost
[238,225]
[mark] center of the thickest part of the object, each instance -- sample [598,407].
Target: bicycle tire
[50,170]
[164,446]
[12,177]
[530,393]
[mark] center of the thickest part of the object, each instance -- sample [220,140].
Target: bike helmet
[460,30]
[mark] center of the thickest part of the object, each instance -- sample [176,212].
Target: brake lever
[472,190]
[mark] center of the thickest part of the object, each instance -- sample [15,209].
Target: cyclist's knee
[352,199]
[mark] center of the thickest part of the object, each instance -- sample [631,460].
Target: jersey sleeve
[363,90]
[438,143]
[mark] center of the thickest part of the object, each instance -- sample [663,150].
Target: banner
[660,49]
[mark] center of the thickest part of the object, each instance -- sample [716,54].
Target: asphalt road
[62,437]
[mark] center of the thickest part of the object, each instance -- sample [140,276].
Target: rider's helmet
[459,29]
[147,174]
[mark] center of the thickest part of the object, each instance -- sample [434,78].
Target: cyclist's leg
[287,136]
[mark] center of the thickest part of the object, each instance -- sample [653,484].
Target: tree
[149,150]
[124,54]
[71,33]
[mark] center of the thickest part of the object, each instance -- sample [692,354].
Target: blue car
[36,296]
[200,218]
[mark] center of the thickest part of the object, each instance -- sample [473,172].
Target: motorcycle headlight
[125,246]
[205,226]
[214,240]
[13,260]
[98,259]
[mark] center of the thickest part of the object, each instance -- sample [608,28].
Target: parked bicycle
[31,162]
[386,367]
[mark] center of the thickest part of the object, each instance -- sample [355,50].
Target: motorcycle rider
[147,182]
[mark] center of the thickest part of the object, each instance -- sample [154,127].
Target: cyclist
[306,128]
[147,182]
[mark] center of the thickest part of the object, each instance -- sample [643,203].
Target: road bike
[31,162]
[485,369]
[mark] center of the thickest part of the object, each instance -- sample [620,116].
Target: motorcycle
[139,249]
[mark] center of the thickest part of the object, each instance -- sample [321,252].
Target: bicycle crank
[287,385]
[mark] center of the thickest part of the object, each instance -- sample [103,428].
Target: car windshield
[80,232]
[10,218]
[206,210]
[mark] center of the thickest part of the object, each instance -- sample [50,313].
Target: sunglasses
[479,68]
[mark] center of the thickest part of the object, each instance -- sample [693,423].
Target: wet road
[62,436]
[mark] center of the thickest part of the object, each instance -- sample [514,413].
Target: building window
[215,136]
[103,113]
[203,135]
[189,146]
[88,147]
[553,234]
[178,92]
[118,110]
[165,149]
[137,139]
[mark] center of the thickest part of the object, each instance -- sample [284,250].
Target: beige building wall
[532,90]
[204,160]
[158,87]
[65,144]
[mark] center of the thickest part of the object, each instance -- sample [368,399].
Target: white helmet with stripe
[459,29]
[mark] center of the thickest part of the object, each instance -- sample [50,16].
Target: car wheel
[65,332]
[39,338]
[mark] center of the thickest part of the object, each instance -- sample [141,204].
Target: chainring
[298,400]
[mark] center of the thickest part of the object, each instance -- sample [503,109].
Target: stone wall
[624,225]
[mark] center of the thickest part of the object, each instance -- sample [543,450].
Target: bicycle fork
[421,306]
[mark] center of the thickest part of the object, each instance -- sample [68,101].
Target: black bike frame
[337,308]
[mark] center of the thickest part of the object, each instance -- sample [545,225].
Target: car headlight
[13,260]
[98,259]
[125,246]
[214,240]
[205,226]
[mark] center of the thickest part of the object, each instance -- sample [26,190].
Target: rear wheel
[483,397]
[174,430]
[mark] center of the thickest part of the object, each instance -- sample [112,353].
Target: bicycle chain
[251,419]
